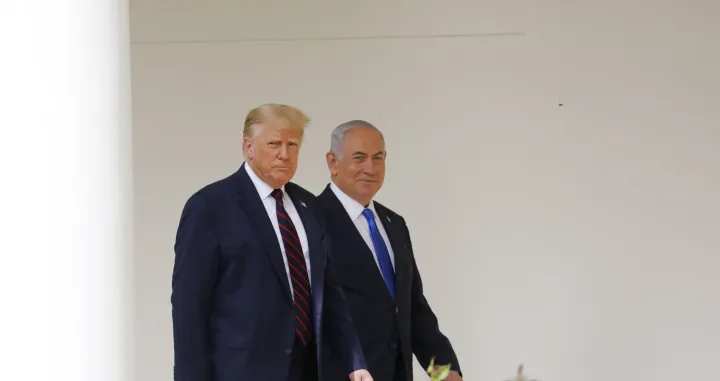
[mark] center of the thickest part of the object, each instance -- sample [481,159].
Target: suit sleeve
[339,330]
[193,279]
[427,340]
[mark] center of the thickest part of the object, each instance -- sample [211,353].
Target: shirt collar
[353,208]
[263,189]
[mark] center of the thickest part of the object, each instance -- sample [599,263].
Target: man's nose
[284,152]
[369,167]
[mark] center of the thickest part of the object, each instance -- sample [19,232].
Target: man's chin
[368,192]
[368,187]
[281,179]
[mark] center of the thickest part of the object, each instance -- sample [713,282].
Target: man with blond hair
[252,297]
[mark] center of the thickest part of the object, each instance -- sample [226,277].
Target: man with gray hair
[374,261]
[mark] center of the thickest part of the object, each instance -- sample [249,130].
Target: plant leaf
[432,366]
[443,372]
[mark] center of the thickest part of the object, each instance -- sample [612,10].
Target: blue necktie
[381,250]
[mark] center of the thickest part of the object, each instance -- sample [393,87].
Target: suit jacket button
[396,310]
[288,350]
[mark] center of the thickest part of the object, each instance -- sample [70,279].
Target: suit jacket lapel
[260,222]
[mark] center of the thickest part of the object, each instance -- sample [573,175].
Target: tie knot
[368,214]
[277,194]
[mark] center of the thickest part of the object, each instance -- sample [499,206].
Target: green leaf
[432,366]
[443,372]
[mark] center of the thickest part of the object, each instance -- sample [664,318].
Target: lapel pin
[388,218]
[303,204]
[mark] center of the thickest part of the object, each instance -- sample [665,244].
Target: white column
[65,191]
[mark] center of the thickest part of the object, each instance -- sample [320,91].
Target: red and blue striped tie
[302,293]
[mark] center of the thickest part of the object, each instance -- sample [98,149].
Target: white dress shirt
[265,192]
[354,210]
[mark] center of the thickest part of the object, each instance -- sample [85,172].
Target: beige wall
[579,239]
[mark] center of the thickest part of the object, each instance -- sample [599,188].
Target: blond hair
[270,112]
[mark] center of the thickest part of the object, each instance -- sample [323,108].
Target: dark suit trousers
[303,362]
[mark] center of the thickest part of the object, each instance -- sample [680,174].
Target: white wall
[579,239]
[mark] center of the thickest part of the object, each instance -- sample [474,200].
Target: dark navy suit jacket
[232,308]
[386,327]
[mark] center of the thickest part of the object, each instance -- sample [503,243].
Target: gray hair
[338,135]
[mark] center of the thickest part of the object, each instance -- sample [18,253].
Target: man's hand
[453,376]
[360,375]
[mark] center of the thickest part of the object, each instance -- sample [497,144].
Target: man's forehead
[361,151]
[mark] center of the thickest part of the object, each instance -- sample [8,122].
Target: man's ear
[331,159]
[247,147]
